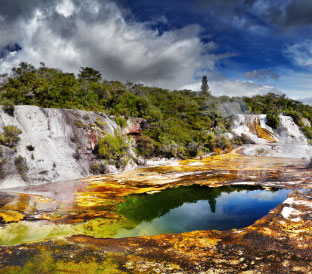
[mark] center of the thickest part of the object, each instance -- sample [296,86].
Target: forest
[177,123]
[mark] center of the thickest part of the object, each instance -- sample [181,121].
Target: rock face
[56,143]
[255,127]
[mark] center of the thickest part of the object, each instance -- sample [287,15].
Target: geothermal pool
[189,208]
[86,226]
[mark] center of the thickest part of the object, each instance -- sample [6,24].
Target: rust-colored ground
[280,242]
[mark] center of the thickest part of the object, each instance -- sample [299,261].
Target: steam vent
[245,211]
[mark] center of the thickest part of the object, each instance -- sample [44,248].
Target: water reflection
[197,208]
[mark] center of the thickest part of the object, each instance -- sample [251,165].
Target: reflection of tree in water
[145,207]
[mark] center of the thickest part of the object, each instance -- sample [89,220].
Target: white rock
[55,138]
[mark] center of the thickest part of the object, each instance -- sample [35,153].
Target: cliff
[56,144]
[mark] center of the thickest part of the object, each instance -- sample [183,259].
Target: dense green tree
[204,86]
[89,74]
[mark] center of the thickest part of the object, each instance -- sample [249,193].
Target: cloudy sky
[244,47]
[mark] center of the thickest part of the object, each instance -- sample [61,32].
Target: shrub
[145,146]
[30,148]
[22,167]
[10,136]
[192,148]
[121,121]
[8,107]
[273,120]
[98,168]
[2,172]
[112,147]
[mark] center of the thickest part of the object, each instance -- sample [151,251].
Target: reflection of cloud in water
[233,210]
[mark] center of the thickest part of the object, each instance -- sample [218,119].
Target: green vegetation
[22,167]
[272,104]
[10,136]
[121,121]
[112,147]
[175,123]
[8,107]
[273,120]
[2,171]
[204,86]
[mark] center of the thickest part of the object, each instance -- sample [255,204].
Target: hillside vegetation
[177,123]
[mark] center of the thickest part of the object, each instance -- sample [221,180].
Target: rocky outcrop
[56,143]
[255,127]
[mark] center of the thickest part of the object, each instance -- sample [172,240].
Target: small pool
[190,208]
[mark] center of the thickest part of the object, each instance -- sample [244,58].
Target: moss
[46,263]
[100,124]
[25,231]
[79,124]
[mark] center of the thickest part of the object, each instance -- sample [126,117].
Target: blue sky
[244,47]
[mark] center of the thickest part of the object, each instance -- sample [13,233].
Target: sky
[245,47]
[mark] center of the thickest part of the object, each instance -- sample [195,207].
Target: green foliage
[22,167]
[2,171]
[274,104]
[145,146]
[8,106]
[97,168]
[179,123]
[121,121]
[112,147]
[89,74]
[204,86]
[100,124]
[79,124]
[10,136]
[241,140]
[273,120]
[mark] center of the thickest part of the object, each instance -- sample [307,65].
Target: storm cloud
[167,49]
[69,34]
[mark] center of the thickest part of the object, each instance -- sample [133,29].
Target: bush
[145,146]
[192,148]
[121,121]
[98,168]
[10,136]
[2,172]
[8,107]
[22,167]
[112,147]
[273,120]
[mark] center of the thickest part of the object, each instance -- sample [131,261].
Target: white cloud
[307,101]
[300,53]
[234,88]
[66,8]
[97,35]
